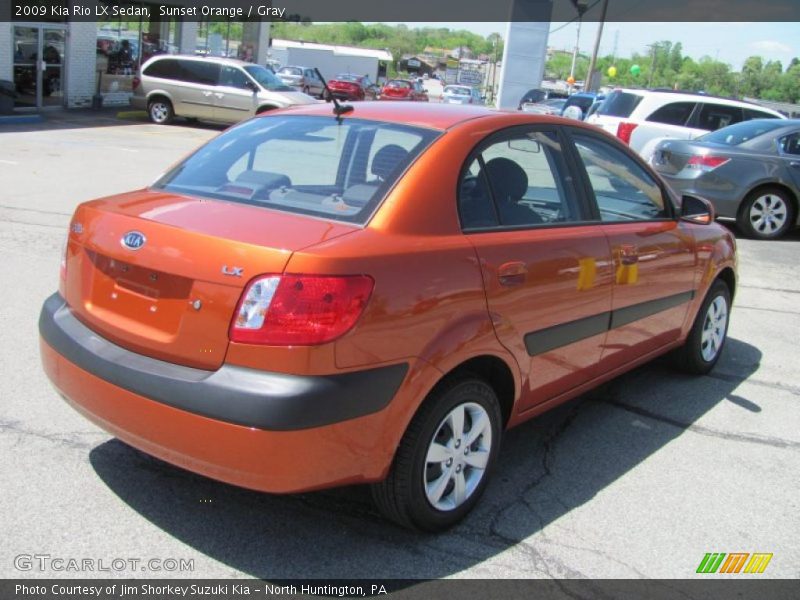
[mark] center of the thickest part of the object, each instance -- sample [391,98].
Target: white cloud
[771,46]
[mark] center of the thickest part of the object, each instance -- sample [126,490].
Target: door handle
[512,273]
[628,254]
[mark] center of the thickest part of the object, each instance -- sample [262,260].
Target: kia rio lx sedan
[313,300]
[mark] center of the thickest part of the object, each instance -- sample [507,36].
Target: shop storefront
[65,63]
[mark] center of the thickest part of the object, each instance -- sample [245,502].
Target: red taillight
[624,131]
[299,310]
[135,82]
[706,163]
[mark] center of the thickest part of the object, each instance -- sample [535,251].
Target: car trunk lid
[173,297]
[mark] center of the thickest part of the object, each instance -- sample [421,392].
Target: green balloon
[635,70]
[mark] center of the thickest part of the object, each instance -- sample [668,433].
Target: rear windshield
[457,91]
[619,104]
[290,71]
[582,102]
[399,84]
[348,77]
[742,132]
[302,164]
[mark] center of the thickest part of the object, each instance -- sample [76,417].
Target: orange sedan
[312,300]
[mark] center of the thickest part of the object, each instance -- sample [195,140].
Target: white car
[642,118]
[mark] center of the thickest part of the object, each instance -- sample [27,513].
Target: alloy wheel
[457,456]
[768,214]
[714,328]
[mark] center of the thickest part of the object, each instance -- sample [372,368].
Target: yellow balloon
[612,71]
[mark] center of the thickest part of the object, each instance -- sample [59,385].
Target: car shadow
[548,467]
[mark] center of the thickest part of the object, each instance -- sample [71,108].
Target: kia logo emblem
[133,240]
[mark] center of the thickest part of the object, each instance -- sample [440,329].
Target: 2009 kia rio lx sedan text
[310,301]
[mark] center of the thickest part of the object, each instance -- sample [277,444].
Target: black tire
[690,357]
[160,111]
[766,199]
[306,90]
[401,497]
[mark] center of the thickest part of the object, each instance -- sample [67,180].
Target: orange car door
[653,252]
[547,270]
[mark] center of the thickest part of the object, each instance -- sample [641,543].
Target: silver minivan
[214,89]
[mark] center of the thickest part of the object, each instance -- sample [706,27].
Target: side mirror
[253,87]
[697,210]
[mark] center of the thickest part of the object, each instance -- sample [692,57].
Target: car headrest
[509,181]
[386,160]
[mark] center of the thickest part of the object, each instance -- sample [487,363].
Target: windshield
[267,79]
[619,104]
[398,84]
[348,77]
[290,71]
[301,164]
[457,91]
[742,132]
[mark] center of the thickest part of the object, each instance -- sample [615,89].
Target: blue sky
[731,43]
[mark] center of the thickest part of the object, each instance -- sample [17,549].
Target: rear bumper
[266,431]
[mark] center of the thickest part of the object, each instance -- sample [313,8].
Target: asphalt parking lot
[638,479]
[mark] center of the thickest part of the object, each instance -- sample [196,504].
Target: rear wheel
[766,214]
[160,111]
[703,346]
[443,463]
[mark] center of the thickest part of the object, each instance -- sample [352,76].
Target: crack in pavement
[69,439]
[769,289]
[750,438]
[784,387]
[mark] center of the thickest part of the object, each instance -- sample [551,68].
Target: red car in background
[404,89]
[347,86]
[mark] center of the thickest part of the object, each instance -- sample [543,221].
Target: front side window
[517,182]
[623,190]
[266,78]
[302,164]
[233,77]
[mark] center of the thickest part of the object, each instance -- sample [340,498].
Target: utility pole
[652,65]
[575,52]
[593,62]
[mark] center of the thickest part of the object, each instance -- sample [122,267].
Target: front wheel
[443,463]
[160,111]
[703,346]
[766,214]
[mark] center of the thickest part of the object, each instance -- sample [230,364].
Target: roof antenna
[338,109]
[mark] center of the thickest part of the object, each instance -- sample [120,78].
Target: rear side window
[675,113]
[195,71]
[624,191]
[166,68]
[519,181]
[717,116]
[301,164]
[791,144]
[619,104]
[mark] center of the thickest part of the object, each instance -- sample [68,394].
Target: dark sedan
[749,171]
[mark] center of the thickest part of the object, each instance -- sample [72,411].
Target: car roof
[216,59]
[422,114]
[682,95]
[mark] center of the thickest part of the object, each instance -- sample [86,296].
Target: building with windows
[64,63]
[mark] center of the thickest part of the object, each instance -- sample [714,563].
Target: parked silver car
[302,78]
[749,171]
[215,89]
[461,94]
